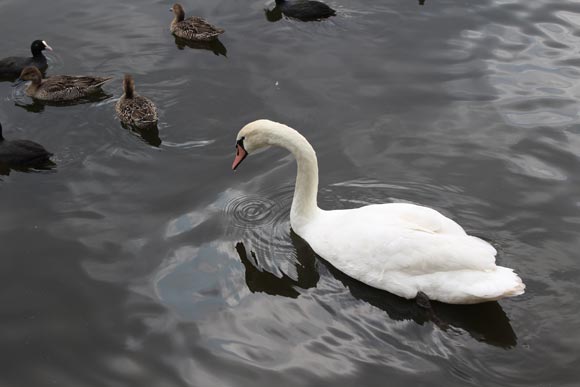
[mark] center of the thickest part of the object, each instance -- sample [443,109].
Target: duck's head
[178,11]
[38,46]
[128,86]
[30,73]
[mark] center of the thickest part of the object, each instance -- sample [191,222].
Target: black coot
[305,10]
[11,67]
[22,153]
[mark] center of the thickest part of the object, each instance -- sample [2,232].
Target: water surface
[147,262]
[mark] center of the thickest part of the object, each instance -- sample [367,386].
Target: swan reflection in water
[214,45]
[485,322]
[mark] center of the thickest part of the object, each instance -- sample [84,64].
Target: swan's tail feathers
[518,289]
[500,283]
[472,286]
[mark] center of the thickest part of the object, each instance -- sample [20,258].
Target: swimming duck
[192,28]
[134,109]
[59,88]
[11,67]
[406,249]
[22,153]
[305,10]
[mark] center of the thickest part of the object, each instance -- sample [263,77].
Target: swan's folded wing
[386,238]
[421,218]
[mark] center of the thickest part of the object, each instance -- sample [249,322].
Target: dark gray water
[135,265]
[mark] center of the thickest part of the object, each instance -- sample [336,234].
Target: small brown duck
[134,109]
[192,28]
[59,88]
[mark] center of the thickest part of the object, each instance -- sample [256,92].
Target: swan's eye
[240,143]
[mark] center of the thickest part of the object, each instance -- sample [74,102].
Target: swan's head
[265,133]
[253,136]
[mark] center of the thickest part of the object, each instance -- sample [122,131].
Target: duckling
[11,67]
[22,153]
[58,88]
[305,10]
[192,28]
[134,109]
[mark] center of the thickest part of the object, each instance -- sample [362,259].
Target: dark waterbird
[305,10]
[11,67]
[22,153]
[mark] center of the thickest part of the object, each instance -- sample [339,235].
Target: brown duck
[134,109]
[58,88]
[192,28]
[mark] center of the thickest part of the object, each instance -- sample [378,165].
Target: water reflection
[149,134]
[214,45]
[485,322]
[260,280]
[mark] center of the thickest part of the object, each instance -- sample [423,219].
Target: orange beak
[240,156]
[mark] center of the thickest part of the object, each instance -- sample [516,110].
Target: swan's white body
[401,248]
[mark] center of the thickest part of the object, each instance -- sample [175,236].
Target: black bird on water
[22,153]
[11,67]
[305,10]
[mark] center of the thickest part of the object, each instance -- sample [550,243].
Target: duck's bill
[240,156]
[46,46]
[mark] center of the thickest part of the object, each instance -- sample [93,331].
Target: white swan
[402,248]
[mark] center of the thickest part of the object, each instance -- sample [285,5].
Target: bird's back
[307,10]
[139,111]
[404,248]
[195,28]
[23,153]
[68,87]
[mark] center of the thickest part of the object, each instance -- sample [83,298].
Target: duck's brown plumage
[192,28]
[133,109]
[60,87]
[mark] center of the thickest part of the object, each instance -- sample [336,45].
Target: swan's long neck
[304,204]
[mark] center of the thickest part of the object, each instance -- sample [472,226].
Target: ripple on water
[262,221]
